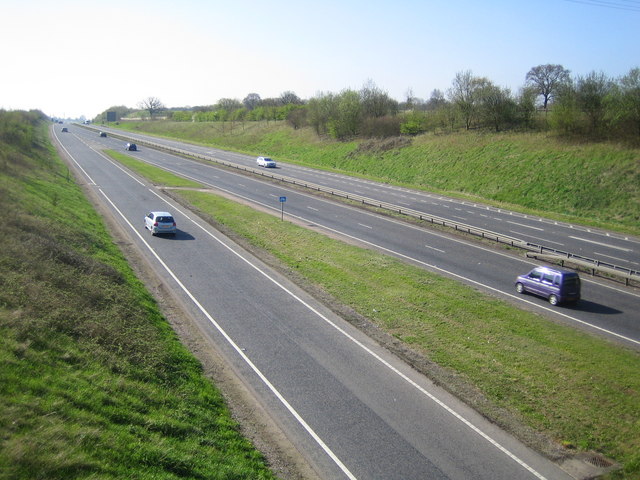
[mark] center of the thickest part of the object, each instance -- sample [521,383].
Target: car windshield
[164,219]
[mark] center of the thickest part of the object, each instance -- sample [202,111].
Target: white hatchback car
[160,222]
[266,162]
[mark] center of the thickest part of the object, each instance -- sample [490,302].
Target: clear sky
[72,58]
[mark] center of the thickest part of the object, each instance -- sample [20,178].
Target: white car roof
[161,214]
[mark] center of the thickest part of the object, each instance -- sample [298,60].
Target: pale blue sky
[71,58]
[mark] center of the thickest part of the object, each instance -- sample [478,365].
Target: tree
[465,95]
[591,94]
[251,101]
[526,104]
[320,110]
[547,79]
[346,121]
[497,106]
[228,104]
[436,100]
[152,105]
[629,95]
[375,102]
[290,98]
[297,117]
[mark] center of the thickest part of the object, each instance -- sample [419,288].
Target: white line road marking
[537,238]
[266,381]
[615,258]
[525,226]
[601,244]
[365,226]
[434,248]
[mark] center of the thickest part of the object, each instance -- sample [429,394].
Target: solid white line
[231,342]
[447,408]
[525,226]
[537,238]
[73,159]
[601,244]
[246,359]
[615,258]
[362,346]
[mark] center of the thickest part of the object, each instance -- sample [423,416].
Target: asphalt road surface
[352,409]
[608,247]
[606,309]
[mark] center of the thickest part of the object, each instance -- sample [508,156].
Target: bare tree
[152,105]
[547,79]
[436,100]
[251,101]
[290,98]
[228,104]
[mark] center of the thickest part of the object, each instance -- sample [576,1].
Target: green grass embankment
[578,389]
[596,184]
[93,381]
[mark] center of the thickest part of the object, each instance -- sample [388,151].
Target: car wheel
[553,300]
[519,288]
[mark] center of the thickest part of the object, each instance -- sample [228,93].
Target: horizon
[72,59]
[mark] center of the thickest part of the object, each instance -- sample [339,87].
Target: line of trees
[594,106]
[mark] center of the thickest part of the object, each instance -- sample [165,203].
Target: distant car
[554,284]
[65,129]
[160,222]
[266,162]
[103,134]
[131,147]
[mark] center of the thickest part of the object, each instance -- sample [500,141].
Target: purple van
[556,285]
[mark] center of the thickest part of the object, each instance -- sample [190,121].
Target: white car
[266,162]
[160,222]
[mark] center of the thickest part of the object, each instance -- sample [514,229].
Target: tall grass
[94,383]
[592,183]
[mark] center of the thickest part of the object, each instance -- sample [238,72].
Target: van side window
[556,281]
[548,278]
[534,275]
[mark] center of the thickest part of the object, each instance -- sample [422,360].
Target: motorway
[607,308]
[352,409]
[612,248]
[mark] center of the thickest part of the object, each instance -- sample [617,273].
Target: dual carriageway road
[351,408]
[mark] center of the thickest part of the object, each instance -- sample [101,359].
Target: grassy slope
[94,383]
[579,389]
[596,184]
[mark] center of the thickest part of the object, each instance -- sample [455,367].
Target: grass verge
[94,383]
[596,184]
[578,389]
